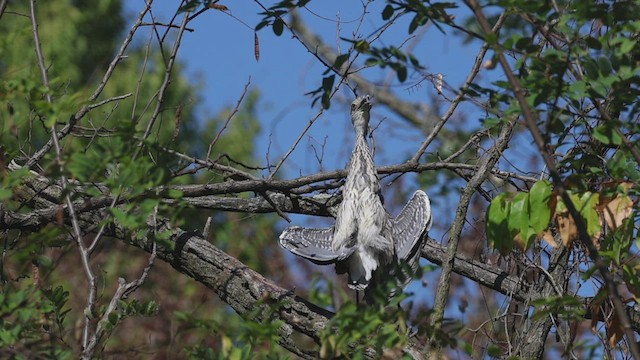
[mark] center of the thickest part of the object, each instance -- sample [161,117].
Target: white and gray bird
[365,237]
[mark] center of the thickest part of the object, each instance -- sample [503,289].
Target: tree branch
[484,169]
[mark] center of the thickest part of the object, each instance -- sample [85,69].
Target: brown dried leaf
[597,310]
[219,7]
[616,211]
[60,215]
[549,239]
[614,331]
[567,228]
[256,46]
[519,242]
[595,316]
[176,130]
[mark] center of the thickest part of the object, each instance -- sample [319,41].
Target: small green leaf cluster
[422,11]
[323,93]
[126,309]
[273,15]
[566,307]
[394,58]
[356,330]
[256,337]
[32,322]
[192,5]
[522,217]
[518,217]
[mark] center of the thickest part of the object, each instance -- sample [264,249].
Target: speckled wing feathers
[408,227]
[313,244]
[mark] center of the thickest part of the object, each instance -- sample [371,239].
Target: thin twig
[295,143]
[77,233]
[165,83]
[461,94]
[231,115]
[106,101]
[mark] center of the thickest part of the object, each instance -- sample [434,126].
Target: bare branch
[461,94]
[165,82]
[226,123]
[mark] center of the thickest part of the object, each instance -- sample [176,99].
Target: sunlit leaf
[540,211]
[498,233]
[607,134]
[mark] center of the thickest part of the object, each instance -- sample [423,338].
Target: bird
[365,237]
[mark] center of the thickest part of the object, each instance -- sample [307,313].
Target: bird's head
[360,108]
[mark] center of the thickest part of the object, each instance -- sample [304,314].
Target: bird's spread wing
[407,228]
[313,244]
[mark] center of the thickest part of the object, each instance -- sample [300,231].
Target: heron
[365,237]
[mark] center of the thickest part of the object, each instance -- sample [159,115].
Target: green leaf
[417,21]
[626,45]
[519,213]
[540,212]
[606,134]
[174,194]
[128,221]
[362,46]
[591,68]
[325,101]
[261,24]
[278,26]
[527,236]
[593,43]
[588,203]
[340,59]
[401,71]
[327,83]
[498,233]
[604,65]
[113,318]
[578,89]
[494,351]
[387,13]
[151,307]
[191,5]
[5,194]
[372,62]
